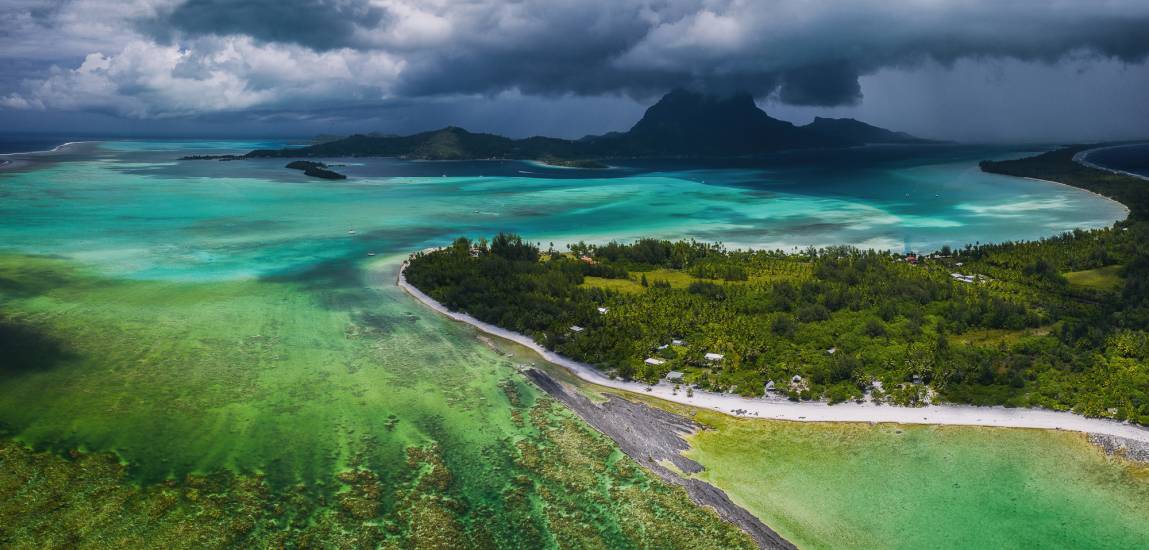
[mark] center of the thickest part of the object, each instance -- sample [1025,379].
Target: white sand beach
[782,409]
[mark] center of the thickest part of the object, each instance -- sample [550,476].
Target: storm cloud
[172,58]
[317,24]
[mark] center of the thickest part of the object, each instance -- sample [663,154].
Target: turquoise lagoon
[132,209]
[132,212]
[192,316]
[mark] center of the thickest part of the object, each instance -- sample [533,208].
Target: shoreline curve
[782,409]
[1082,158]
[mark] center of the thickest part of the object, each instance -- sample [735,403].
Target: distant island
[315,170]
[683,124]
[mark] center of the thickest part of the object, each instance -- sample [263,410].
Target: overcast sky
[971,70]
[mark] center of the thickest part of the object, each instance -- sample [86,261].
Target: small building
[714,356]
[653,361]
[917,379]
[677,342]
[603,310]
[674,376]
[770,386]
[576,328]
[832,351]
[662,347]
[795,379]
[586,259]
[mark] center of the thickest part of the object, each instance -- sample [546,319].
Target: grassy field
[1103,278]
[993,337]
[777,270]
[675,278]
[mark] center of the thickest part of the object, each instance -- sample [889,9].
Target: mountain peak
[685,122]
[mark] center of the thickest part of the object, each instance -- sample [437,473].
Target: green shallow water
[862,486]
[284,378]
[198,316]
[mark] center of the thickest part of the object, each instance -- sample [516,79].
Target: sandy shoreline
[1082,158]
[782,409]
[1099,195]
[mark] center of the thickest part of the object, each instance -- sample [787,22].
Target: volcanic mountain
[683,124]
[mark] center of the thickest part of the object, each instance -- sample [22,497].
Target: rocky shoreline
[654,438]
[1123,447]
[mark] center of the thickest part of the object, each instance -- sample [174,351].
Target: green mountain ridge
[681,124]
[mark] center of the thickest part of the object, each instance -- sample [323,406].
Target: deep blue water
[1128,158]
[24,144]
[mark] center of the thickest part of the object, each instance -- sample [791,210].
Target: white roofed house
[797,384]
[576,328]
[674,376]
[714,357]
[603,310]
[653,361]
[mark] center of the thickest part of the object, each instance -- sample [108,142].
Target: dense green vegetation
[315,170]
[847,322]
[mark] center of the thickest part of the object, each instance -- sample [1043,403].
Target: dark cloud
[316,24]
[823,85]
[805,53]
[309,58]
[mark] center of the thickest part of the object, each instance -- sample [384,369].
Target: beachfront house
[654,361]
[674,376]
[796,379]
[714,357]
[769,386]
